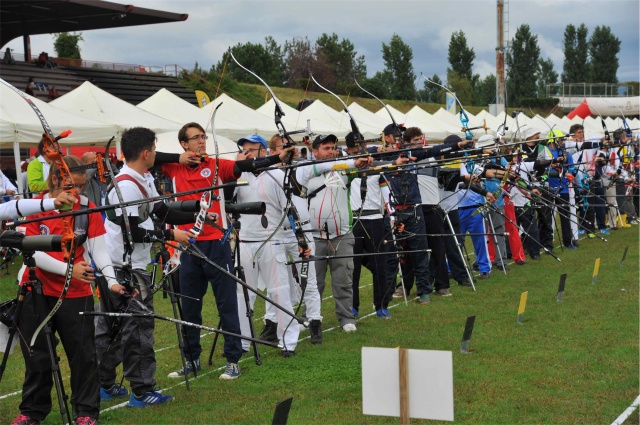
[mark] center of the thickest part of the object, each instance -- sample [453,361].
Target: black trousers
[76,333]
[545,222]
[527,220]
[456,262]
[433,222]
[369,236]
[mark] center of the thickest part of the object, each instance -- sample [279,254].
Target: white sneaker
[349,327]
[302,327]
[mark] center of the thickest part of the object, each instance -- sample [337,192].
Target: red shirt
[52,283]
[186,178]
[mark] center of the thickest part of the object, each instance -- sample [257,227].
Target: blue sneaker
[605,232]
[116,391]
[188,370]
[581,232]
[355,312]
[571,247]
[150,398]
[231,372]
[383,313]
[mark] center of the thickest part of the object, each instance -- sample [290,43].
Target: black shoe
[483,276]
[475,267]
[500,267]
[316,331]
[535,257]
[465,283]
[549,251]
[521,263]
[270,331]
[287,353]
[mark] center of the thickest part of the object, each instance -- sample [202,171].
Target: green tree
[484,92]
[397,56]
[378,85]
[431,92]
[67,45]
[522,62]
[604,47]
[255,57]
[341,57]
[277,56]
[461,57]
[546,75]
[461,86]
[575,68]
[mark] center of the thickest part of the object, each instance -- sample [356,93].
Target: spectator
[53,93]
[38,171]
[30,86]
[8,57]
[42,59]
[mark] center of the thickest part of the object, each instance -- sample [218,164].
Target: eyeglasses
[199,136]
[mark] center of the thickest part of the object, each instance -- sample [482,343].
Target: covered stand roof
[19,18]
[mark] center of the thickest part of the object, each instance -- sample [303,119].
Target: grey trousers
[132,344]
[498,227]
[341,273]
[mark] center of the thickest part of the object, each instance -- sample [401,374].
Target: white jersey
[114,238]
[329,209]
[374,200]
[265,187]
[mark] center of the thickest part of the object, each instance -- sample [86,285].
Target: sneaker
[465,283]
[116,391]
[86,420]
[355,312]
[399,293]
[231,372]
[605,232]
[591,236]
[349,327]
[571,247]
[483,276]
[383,313]
[187,370]
[521,263]
[150,398]
[424,299]
[444,292]
[581,232]
[24,420]
[286,353]
[501,267]
[270,332]
[535,257]
[633,221]
[475,266]
[316,331]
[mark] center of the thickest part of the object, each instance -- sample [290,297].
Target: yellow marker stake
[523,305]
[595,271]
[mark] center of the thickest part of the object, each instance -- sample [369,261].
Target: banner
[451,103]
[203,98]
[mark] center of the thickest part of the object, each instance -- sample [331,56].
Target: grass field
[569,362]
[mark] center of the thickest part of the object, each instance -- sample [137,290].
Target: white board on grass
[430,375]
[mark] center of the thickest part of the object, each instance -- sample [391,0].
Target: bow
[398,129]
[53,152]
[290,210]
[360,140]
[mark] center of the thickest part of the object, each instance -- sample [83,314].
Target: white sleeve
[306,173]
[27,207]
[47,263]
[102,259]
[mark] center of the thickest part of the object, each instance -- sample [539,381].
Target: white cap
[486,141]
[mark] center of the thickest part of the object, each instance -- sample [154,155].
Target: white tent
[339,120]
[293,119]
[92,102]
[430,126]
[397,115]
[364,116]
[244,119]
[19,123]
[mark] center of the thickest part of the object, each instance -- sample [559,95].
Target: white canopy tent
[244,119]
[92,102]
[430,126]
[294,120]
[20,127]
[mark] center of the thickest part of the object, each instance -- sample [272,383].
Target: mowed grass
[569,362]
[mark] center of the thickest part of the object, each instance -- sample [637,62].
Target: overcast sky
[426,25]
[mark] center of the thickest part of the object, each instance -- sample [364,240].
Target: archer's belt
[365,213]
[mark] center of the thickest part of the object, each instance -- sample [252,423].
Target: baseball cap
[253,138]
[324,138]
